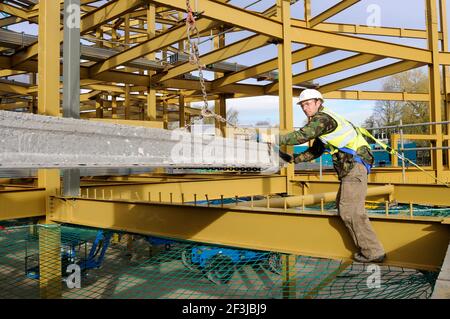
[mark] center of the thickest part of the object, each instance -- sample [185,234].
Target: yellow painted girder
[356,44]
[4,22]
[4,73]
[13,106]
[13,88]
[22,203]
[424,194]
[334,67]
[231,15]
[371,75]
[250,21]
[88,22]
[267,66]
[107,12]
[231,50]
[151,45]
[341,6]
[214,188]
[364,29]
[377,95]
[417,242]
[14,11]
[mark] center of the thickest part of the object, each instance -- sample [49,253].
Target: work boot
[363,259]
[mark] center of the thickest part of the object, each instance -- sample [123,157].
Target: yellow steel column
[165,115]
[127,86]
[435,83]
[151,93]
[446,73]
[394,145]
[48,84]
[220,104]
[114,106]
[221,109]
[99,36]
[98,107]
[181,114]
[289,272]
[33,108]
[50,284]
[285,81]
[309,62]
[48,59]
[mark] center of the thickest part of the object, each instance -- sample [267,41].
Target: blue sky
[397,13]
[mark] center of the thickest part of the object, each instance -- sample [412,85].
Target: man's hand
[285,157]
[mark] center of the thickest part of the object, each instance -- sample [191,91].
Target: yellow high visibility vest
[345,136]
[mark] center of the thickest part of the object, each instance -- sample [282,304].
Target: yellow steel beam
[231,15]
[249,89]
[88,22]
[424,194]
[106,88]
[350,43]
[379,175]
[88,96]
[9,20]
[153,44]
[377,95]
[251,21]
[13,106]
[435,85]
[417,242]
[4,73]
[364,29]
[109,11]
[22,203]
[14,11]
[214,188]
[267,66]
[231,50]
[13,88]
[444,58]
[423,137]
[328,69]
[341,6]
[371,75]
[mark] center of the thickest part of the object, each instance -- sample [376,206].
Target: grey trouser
[351,207]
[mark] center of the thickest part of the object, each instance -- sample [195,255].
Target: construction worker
[352,160]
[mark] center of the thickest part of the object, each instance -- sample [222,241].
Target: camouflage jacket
[321,124]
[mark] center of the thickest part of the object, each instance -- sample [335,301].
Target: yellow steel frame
[286,231]
[159,88]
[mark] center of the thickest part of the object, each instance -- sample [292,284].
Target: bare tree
[388,113]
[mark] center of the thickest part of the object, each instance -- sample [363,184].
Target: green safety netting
[34,260]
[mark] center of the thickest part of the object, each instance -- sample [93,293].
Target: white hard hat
[309,94]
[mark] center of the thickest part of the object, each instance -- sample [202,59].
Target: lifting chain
[194,58]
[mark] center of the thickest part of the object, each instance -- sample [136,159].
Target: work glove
[285,157]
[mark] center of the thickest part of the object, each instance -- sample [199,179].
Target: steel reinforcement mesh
[52,261]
